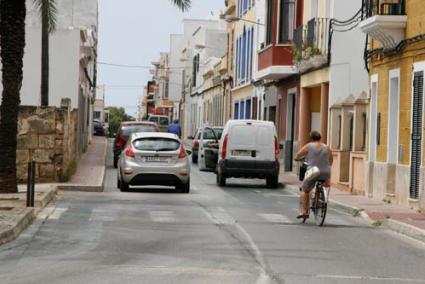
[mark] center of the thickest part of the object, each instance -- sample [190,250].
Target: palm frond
[184,5]
[48,13]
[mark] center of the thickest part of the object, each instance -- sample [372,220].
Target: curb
[405,229]
[82,187]
[391,224]
[13,232]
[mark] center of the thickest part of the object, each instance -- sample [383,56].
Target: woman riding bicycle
[315,154]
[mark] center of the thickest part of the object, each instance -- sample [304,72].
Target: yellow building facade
[396,59]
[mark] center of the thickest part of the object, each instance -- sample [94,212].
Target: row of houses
[352,70]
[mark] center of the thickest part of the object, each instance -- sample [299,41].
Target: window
[364,123]
[166,88]
[156,144]
[286,20]
[351,131]
[96,114]
[339,131]
[241,110]
[236,111]
[373,116]
[248,109]
[269,22]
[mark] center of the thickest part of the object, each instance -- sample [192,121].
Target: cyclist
[316,154]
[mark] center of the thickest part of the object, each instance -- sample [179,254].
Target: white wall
[347,73]
[64,67]
[76,13]
[175,86]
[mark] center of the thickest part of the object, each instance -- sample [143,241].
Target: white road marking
[219,216]
[356,277]
[276,218]
[263,278]
[162,216]
[101,215]
[57,213]
[257,191]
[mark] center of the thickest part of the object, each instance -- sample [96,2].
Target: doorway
[290,134]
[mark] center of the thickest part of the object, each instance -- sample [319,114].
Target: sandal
[303,216]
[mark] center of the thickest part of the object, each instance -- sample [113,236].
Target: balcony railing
[311,42]
[384,8]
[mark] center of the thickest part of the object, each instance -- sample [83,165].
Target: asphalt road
[243,233]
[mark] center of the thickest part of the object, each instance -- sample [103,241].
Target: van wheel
[272,182]
[221,179]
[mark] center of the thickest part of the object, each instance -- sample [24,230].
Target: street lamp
[231,19]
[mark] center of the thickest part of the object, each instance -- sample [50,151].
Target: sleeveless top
[319,158]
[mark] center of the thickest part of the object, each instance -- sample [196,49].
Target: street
[243,233]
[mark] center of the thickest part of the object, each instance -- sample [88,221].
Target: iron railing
[384,7]
[313,38]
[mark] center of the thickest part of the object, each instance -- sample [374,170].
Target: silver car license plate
[242,153]
[157,159]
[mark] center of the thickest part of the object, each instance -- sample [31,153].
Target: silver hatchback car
[154,159]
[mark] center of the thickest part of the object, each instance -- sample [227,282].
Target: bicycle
[319,203]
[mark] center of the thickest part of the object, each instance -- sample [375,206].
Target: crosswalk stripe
[162,216]
[275,218]
[58,213]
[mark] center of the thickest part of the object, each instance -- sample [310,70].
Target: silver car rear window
[156,144]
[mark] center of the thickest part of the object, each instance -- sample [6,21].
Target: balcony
[311,45]
[275,62]
[385,21]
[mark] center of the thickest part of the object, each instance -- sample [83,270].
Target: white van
[248,149]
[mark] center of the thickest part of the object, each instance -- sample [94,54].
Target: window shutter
[416,153]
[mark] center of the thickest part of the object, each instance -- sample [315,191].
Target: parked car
[249,149]
[154,159]
[161,120]
[98,128]
[207,147]
[125,130]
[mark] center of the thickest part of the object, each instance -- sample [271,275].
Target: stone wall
[47,135]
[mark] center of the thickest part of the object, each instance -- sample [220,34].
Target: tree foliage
[116,116]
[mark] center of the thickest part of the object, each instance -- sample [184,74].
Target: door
[290,135]
[416,153]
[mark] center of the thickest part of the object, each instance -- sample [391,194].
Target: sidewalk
[394,217]
[15,216]
[90,172]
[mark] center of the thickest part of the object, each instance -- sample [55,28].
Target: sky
[134,32]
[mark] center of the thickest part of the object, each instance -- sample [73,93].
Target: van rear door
[251,141]
[242,141]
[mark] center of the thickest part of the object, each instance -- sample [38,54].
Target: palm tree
[12,43]
[48,12]
[184,5]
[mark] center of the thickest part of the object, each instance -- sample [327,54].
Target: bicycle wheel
[320,206]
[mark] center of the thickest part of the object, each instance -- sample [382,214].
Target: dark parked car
[98,128]
[125,130]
